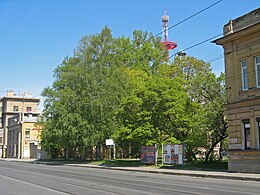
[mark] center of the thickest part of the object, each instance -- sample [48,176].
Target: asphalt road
[25,178]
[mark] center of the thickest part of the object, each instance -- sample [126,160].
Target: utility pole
[19,145]
[114,155]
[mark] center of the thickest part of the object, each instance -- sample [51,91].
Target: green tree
[156,112]
[207,93]
[123,88]
[82,102]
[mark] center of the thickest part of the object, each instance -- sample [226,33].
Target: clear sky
[36,35]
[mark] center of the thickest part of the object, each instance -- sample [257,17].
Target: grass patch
[118,163]
[199,166]
[112,163]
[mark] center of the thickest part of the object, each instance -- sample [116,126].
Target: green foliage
[156,111]
[124,89]
[85,96]
[207,92]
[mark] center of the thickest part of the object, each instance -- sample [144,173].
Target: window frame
[259,135]
[15,110]
[25,135]
[29,109]
[258,132]
[247,137]
[244,75]
[257,72]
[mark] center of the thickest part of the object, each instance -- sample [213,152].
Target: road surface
[25,178]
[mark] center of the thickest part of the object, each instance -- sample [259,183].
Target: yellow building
[241,43]
[12,105]
[23,137]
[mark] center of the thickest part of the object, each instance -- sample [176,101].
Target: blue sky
[36,35]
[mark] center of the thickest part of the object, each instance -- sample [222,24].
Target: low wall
[244,161]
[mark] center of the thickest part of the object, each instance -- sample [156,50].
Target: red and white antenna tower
[165,24]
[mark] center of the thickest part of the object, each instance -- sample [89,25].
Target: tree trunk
[220,151]
[92,153]
[98,156]
[66,154]
[212,148]
[74,153]
[191,156]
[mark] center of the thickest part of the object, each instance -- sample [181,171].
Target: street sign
[109,142]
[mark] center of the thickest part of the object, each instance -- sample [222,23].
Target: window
[27,133]
[247,135]
[29,109]
[258,129]
[258,134]
[244,75]
[257,69]
[15,108]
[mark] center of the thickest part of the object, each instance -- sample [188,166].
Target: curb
[173,173]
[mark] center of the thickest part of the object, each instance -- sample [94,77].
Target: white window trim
[242,73]
[257,134]
[247,126]
[257,64]
[27,130]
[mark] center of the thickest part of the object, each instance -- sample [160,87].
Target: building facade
[241,43]
[12,105]
[1,123]
[23,137]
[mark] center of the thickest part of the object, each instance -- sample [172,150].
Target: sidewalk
[193,173]
[207,174]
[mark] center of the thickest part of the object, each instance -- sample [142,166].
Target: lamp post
[181,53]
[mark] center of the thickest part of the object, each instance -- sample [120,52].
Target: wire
[222,56]
[195,14]
[217,58]
[209,39]
[249,73]
[197,44]
[184,20]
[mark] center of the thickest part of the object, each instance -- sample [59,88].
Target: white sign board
[110,142]
[173,154]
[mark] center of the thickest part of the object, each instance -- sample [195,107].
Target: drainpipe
[19,146]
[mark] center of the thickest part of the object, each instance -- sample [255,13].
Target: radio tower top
[165,25]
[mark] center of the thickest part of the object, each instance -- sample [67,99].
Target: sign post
[156,155]
[110,143]
[162,155]
[114,155]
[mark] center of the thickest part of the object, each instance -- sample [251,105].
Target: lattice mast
[165,25]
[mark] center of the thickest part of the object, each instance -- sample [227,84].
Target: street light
[181,53]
